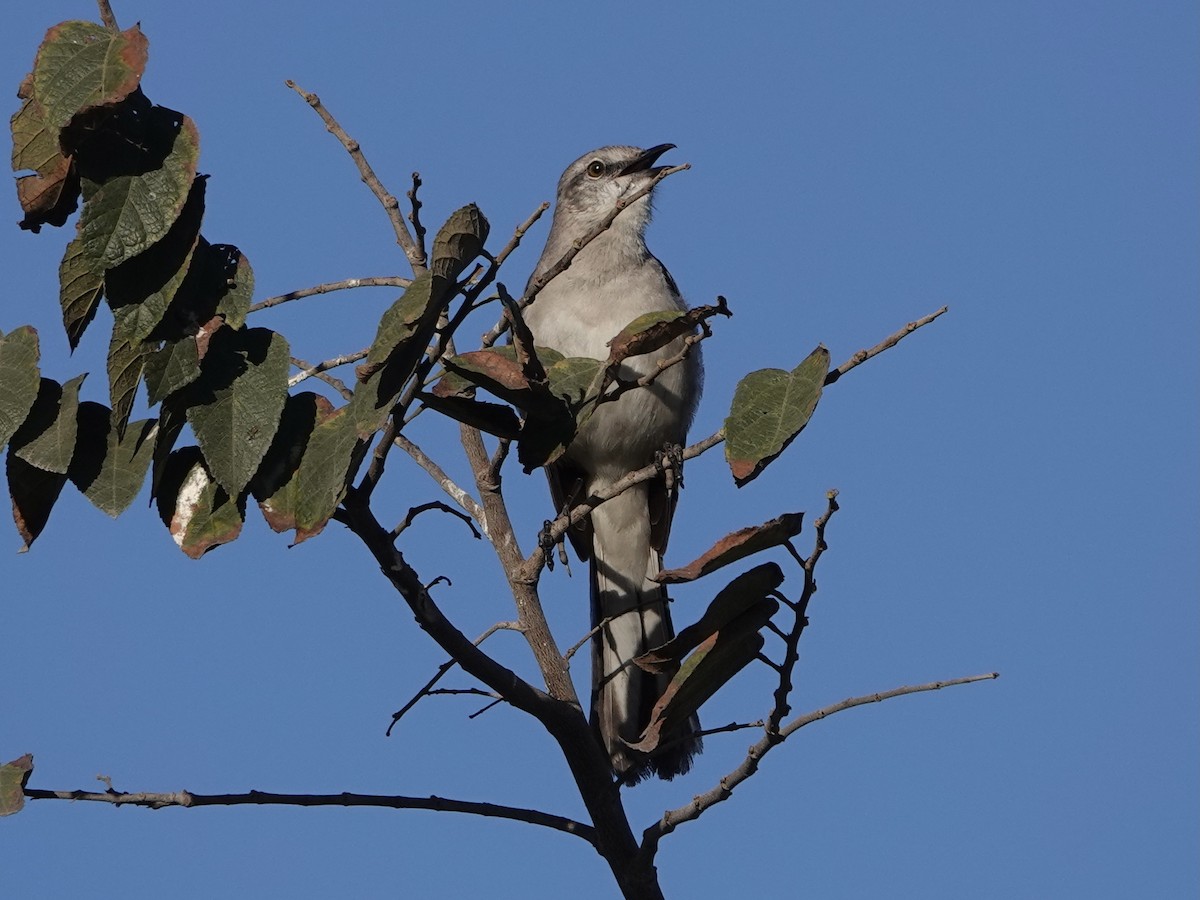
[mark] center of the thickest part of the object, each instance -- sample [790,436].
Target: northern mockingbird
[612,281]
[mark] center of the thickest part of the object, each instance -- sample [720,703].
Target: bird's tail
[633,616]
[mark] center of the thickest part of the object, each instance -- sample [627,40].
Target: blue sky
[1019,481]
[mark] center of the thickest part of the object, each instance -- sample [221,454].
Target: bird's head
[592,186]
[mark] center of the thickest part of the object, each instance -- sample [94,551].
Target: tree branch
[106,15]
[887,343]
[390,204]
[444,481]
[672,819]
[331,286]
[307,371]
[318,371]
[264,798]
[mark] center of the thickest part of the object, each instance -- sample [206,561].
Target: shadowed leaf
[706,671]
[171,368]
[735,546]
[19,379]
[34,492]
[52,194]
[739,596]
[770,407]
[234,304]
[125,214]
[494,418]
[459,241]
[172,416]
[401,320]
[198,511]
[81,286]
[107,468]
[126,359]
[235,406]
[47,438]
[13,778]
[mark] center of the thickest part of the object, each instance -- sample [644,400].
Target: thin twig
[390,204]
[317,372]
[310,371]
[106,15]
[440,804]
[442,670]
[415,215]
[435,504]
[890,341]
[444,481]
[331,286]
[672,819]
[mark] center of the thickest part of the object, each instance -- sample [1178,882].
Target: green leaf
[13,778]
[735,546]
[82,65]
[125,214]
[19,379]
[127,357]
[494,418]
[109,469]
[236,404]
[459,241]
[142,288]
[51,194]
[401,320]
[172,416]
[303,477]
[234,304]
[770,407]
[47,438]
[199,512]
[171,368]
[81,285]
[34,492]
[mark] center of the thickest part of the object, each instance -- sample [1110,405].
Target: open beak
[646,159]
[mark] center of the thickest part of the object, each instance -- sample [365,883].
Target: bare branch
[318,371]
[310,371]
[447,484]
[330,287]
[415,215]
[106,15]
[263,798]
[890,341]
[390,204]
[426,507]
[672,819]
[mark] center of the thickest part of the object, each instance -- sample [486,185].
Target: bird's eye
[595,168]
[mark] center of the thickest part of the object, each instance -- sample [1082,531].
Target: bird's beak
[646,159]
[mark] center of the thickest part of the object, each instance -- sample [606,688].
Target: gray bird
[612,281]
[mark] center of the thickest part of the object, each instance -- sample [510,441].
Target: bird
[613,280]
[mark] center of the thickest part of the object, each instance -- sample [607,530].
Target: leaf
[400,320]
[51,194]
[81,285]
[459,241]
[127,357]
[127,213]
[494,418]
[303,478]
[738,597]
[770,407]
[737,545]
[19,379]
[109,469]
[81,65]
[235,406]
[199,512]
[142,288]
[234,304]
[706,671]
[648,332]
[172,416]
[47,438]
[13,778]
[171,368]
[34,492]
